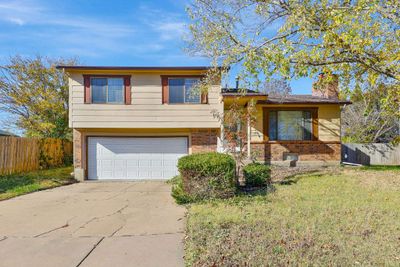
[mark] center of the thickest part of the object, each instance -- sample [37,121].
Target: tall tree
[36,94]
[358,40]
[369,119]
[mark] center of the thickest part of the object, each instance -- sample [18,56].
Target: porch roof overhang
[302,100]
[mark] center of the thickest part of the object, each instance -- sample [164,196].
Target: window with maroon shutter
[86,82]
[182,90]
[107,89]
[164,84]
[128,93]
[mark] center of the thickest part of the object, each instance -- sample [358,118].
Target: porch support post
[248,138]
[221,147]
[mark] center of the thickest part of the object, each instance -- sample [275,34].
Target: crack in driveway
[52,230]
[86,223]
[118,211]
[99,218]
[116,231]
[141,226]
[87,255]
[55,229]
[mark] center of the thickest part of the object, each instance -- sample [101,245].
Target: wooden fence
[371,154]
[28,154]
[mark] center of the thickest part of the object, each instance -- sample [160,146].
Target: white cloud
[146,32]
[18,11]
[66,32]
[167,25]
[27,12]
[17,21]
[171,30]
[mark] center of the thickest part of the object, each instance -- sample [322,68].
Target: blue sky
[116,32]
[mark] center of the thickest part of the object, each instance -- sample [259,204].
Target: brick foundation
[311,151]
[204,140]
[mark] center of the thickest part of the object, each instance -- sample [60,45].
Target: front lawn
[350,217]
[19,184]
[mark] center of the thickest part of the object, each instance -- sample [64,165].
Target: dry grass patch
[322,219]
[382,180]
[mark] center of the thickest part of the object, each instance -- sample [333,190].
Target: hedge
[207,175]
[257,174]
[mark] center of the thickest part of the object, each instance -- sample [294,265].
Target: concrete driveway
[93,224]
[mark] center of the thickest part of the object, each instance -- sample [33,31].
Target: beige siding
[328,122]
[146,110]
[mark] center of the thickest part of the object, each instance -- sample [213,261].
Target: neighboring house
[136,122]
[5,133]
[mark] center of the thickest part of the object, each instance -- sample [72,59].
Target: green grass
[351,217]
[381,168]
[19,184]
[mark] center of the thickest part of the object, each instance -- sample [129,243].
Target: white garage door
[134,157]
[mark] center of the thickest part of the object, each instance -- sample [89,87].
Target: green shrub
[257,174]
[177,191]
[207,175]
[68,160]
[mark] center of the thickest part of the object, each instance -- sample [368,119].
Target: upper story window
[107,90]
[291,125]
[183,90]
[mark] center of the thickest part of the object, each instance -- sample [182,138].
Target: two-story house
[136,122]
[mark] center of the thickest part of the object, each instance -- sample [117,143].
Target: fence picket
[19,154]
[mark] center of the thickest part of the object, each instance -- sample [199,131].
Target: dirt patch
[281,173]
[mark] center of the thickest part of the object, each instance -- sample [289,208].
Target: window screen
[107,90]
[183,90]
[290,125]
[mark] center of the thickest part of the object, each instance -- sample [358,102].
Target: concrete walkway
[93,224]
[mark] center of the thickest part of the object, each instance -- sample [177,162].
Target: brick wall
[315,151]
[204,140]
[77,136]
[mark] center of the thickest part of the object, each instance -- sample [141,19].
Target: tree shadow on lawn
[10,182]
[253,191]
[294,178]
[247,191]
[256,190]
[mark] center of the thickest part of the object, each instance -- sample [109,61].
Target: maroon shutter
[128,94]
[204,98]
[314,115]
[165,93]
[204,94]
[86,83]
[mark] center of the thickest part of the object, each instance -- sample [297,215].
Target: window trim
[88,88]
[314,117]
[165,89]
